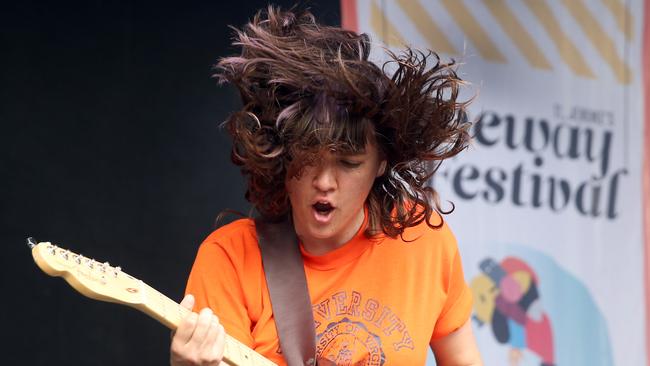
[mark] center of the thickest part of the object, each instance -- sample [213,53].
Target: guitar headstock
[96,280]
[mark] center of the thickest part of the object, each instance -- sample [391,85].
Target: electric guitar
[101,281]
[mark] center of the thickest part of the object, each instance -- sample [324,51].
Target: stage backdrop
[549,197]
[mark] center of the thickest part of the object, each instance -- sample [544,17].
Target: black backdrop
[110,147]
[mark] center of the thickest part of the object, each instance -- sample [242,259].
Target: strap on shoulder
[285,278]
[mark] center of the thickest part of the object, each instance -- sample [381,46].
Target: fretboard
[170,313]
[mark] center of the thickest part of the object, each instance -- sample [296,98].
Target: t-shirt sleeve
[214,283]
[458,304]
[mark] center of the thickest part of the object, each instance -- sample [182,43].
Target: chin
[317,232]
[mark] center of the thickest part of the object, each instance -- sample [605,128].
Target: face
[327,200]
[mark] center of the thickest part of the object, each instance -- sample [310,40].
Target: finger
[214,347]
[188,302]
[187,325]
[211,336]
[186,329]
[220,343]
[202,326]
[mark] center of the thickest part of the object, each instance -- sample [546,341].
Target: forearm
[457,349]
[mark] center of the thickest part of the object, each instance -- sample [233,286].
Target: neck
[320,246]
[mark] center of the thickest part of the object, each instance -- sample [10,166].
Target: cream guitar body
[101,281]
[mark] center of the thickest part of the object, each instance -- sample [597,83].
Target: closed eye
[350,164]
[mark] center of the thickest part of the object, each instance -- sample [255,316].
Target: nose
[325,177]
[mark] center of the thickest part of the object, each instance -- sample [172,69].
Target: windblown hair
[306,86]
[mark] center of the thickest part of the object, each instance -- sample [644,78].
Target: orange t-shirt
[375,302]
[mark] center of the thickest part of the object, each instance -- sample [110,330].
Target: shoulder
[440,236]
[235,239]
[431,249]
[237,232]
[436,247]
[242,229]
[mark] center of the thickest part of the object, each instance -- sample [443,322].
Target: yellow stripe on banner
[474,31]
[427,26]
[568,51]
[382,26]
[599,39]
[624,18]
[513,28]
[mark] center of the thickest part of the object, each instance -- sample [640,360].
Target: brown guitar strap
[285,278]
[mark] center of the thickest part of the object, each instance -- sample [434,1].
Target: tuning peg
[31,242]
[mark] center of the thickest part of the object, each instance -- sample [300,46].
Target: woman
[344,149]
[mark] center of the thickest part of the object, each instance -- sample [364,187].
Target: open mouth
[323,212]
[323,208]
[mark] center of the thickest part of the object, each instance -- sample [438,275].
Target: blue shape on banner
[517,334]
[533,305]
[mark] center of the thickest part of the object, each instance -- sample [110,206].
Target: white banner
[549,196]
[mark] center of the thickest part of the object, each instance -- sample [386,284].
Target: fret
[237,355]
[227,348]
[143,292]
[161,301]
[166,310]
[245,361]
[243,355]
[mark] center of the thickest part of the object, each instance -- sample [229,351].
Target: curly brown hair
[307,86]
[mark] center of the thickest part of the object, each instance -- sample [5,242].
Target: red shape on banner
[539,339]
[512,265]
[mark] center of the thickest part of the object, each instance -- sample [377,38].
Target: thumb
[188,302]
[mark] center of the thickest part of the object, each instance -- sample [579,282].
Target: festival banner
[549,198]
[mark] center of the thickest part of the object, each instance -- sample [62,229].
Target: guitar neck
[103,282]
[170,313]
